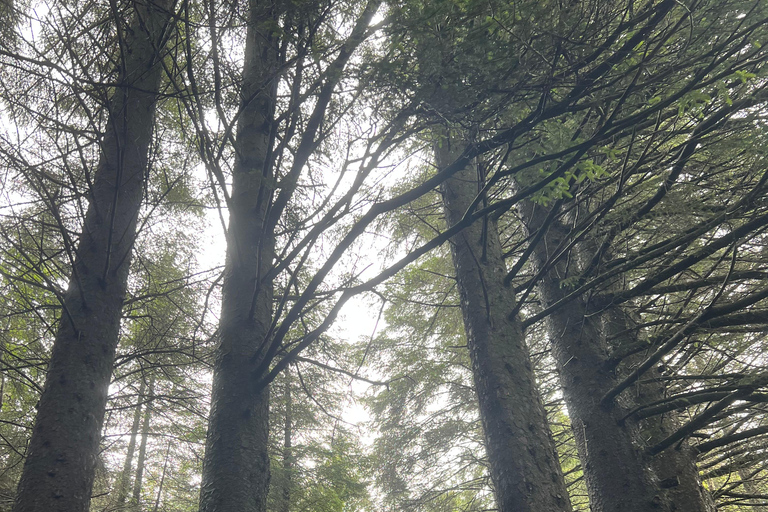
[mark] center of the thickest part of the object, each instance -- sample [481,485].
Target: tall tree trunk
[524,465]
[59,470]
[618,474]
[236,464]
[141,460]
[125,474]
[159,497]
[285,498]
[675,469]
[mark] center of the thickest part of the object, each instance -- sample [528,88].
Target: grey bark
[285,498]
[675,468]
[618,474]
[236,463]
[138,482]
[59,469]
[125,474]
[524,466]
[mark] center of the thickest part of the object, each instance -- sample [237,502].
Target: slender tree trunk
[142,458]
[236,464]
[58,473]
[162,479]
[524,465]
[285,498]
[125,474]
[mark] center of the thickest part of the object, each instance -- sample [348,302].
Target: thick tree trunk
[618,474]
[59,470]
[675,468]
[141,460]
[236,464]
[524,466]
[125,474]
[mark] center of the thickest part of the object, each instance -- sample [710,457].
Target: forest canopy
[331,255]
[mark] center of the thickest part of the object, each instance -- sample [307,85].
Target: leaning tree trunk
[236,464]
[125,474]
[141,461]
[524,466]
[676,471]
[59,470]
[618,474]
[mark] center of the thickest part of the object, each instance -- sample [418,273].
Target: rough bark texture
[236,464]
[675,468]
[524,466]
[618,474]
[59,470]
[617,477]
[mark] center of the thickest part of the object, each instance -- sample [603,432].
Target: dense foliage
[617,151]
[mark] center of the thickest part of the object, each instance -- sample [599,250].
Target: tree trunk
[236,464]
[141,460]
[285,498]
[675,468]
[618,474]
[58,473]
[125,474]
[524,466]
[162,479]
[617,477]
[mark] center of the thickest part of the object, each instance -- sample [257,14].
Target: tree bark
[617,477]
[524,466]
[141,460]
[675,468]
[285,497]
[125,474]
[618,474]
[236,463]
[58,473]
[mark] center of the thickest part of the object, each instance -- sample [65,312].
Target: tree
[585,121]
[524,465]
[573,322]
[59,468]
